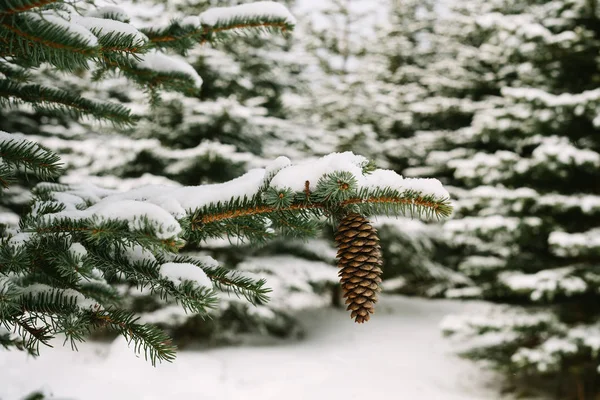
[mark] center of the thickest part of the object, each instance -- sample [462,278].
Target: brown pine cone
[359,257]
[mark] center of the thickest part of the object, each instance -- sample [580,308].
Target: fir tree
[56,267]
[343,90]
[239,120]
[412,72]
[523,164]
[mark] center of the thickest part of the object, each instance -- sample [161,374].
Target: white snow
[80,299]
[191,197]
[292,280]
[137,253]
[555,149]
[157,61]
[546,357]
[275,166]
[494,319]
[19,239]
[84,35]
[104,27]
[588,335]
[114,12]
[544,284]
[522,30]
[134,212]
[549,99]
[382,178]
[207,261]
[190,20]
[400,348]
[70,201]
[295,177]
[77,250]
[472,292]
[180,272]
[393,284]
[223,15]
[9,218]
[14,138]
[488,224]
[172,315]
[565,244]
[472,265]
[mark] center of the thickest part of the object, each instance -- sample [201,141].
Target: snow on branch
[535,95]
[544,285]
[17,153]
[109,12]
[216,22]
[580,244]
[261,13]
[169,66]
[282,196]
[180,272]
[106,29]
[38,27]
[17,6]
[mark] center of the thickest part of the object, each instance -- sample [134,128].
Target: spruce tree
[411,74]
[523,166]
[56,268]
[239,120]
[343,90]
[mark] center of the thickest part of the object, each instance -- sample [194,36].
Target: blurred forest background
[498,99]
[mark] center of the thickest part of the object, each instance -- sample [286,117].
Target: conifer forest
[300,199]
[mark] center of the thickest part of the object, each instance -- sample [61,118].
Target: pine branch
[122,49]
[407,203]
[17,6]
[155,344]
[155,79]
[145,274]
[31,336]
[40,39]
[238,24]
[183,36]
[176,35]
[18,343]
[51,98]
[6,176]
[14,72]
[13,319]
[232,282]
[13,259]
[29,156]
[52,302]
[108,233]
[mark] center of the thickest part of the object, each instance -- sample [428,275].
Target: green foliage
[53,36]
[59,268]
[57,102]
[506,119]
[27,157]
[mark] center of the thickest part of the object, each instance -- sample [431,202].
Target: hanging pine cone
[359,257]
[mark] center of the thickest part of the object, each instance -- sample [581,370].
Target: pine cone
[359,257]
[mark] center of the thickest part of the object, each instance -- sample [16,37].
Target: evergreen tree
[522,161]
[236,122]
[412,74]
[57,267]
[343,91]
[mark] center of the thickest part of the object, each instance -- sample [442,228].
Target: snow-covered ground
[398,354]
